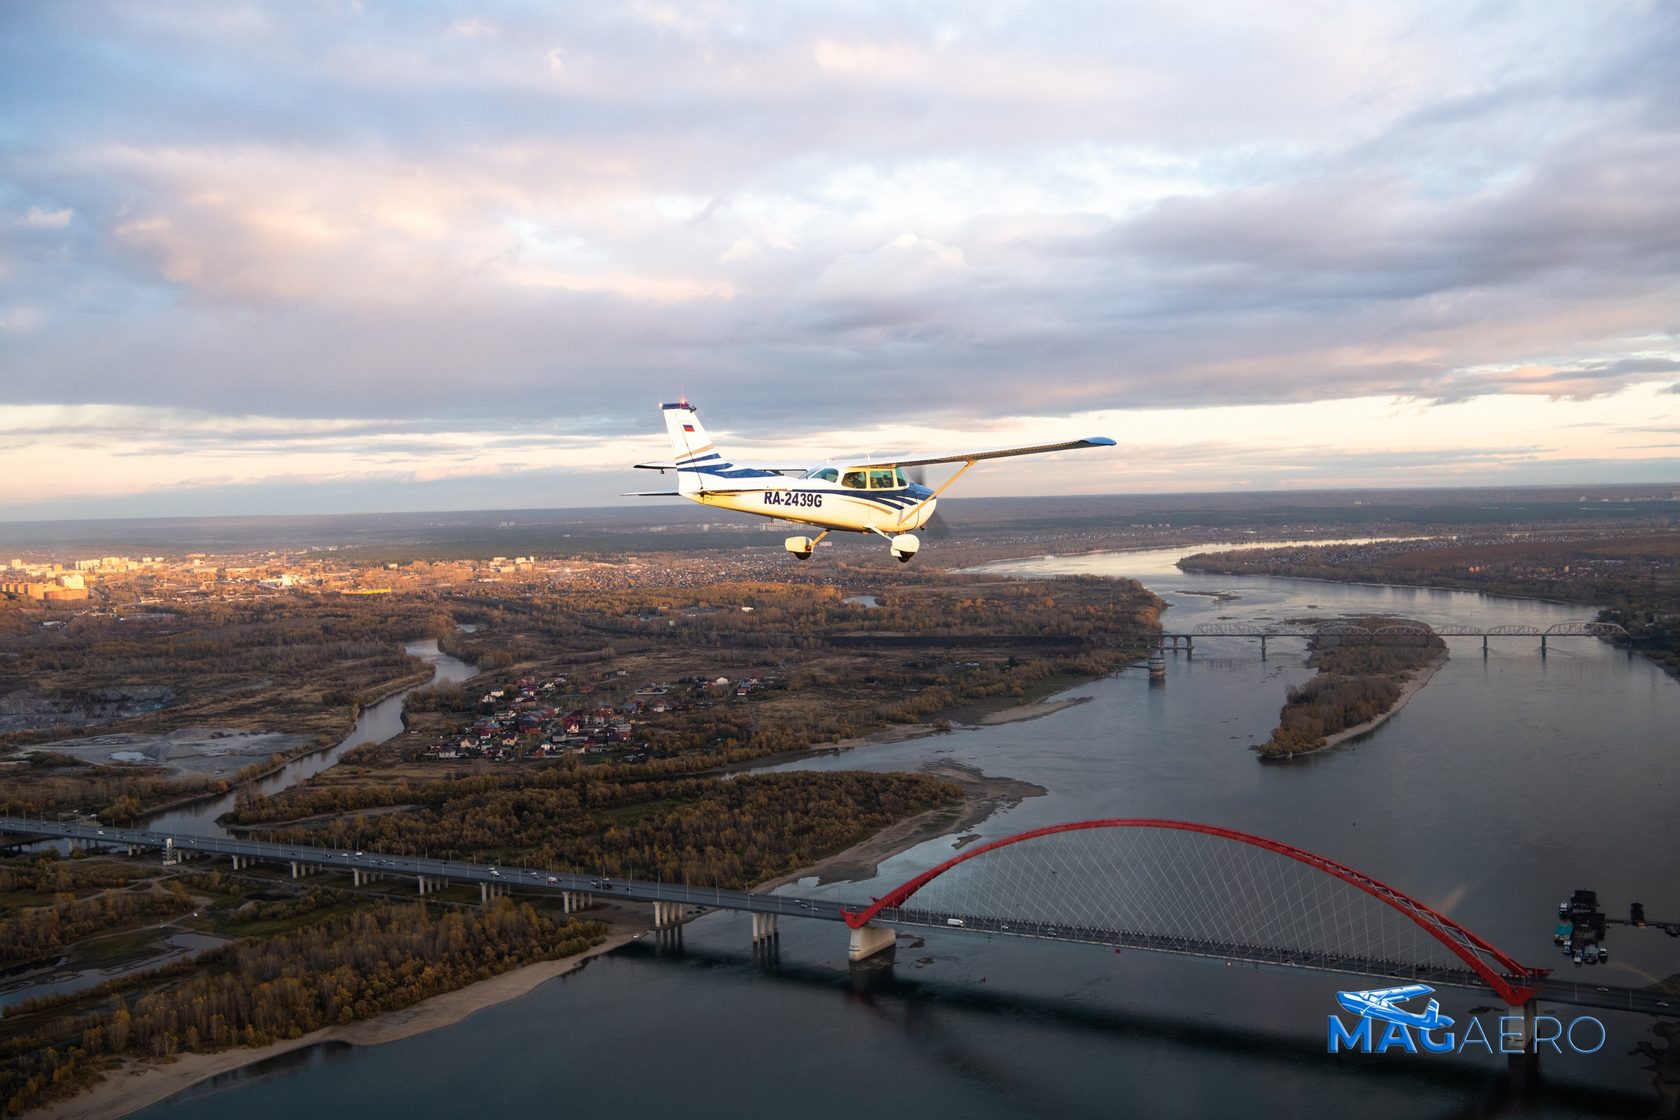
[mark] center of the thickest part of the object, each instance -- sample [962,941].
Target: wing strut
[909,516]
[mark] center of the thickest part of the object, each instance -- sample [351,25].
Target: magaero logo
[1383,1025]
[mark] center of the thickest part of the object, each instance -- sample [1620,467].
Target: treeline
[1357,681]
[31,932]
[703,831]
[110,792]
[258,991]
[797,615]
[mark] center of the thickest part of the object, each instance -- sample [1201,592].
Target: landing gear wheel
[904,546]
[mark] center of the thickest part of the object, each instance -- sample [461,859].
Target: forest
[702,831]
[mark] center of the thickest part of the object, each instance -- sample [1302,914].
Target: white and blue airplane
[1379,1004]
[865,495]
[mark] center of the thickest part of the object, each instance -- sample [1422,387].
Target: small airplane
[867,495]
[1379,1004]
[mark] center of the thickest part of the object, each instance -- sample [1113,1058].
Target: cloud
[39,218]
[18,319]
[448,221]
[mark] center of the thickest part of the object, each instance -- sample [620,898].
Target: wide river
[1506,783]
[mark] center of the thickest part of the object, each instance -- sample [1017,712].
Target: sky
[301,257]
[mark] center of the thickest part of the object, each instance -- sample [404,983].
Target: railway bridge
[1399,633]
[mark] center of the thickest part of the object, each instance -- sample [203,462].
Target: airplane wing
[976,456]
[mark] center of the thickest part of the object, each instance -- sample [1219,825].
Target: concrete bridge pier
[430,884]
[362,878]
[764,928]
[1176,642]
[869,941]
[667,914]
[1542,645]
[489,892]
[572,901]
[300,869]
[1262,647]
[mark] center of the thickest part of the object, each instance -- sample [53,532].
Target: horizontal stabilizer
[650,494]
[656,466]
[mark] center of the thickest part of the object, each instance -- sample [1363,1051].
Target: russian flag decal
[688,427]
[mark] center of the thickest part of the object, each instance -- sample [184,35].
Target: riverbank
[137,1085]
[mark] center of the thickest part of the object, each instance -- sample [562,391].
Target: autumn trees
[257,991]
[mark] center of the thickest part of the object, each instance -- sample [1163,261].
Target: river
[377,723]
[1506,782]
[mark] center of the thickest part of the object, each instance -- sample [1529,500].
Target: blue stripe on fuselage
[912,494]
[727,470]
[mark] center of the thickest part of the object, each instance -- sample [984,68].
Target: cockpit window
[854,480]
[884,479]
[826,474]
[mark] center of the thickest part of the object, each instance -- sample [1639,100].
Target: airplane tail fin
[690,447]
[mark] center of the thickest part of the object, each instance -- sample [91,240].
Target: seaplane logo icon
[1379,1004]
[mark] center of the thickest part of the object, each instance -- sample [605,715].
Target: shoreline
[983,797]
[136,1085]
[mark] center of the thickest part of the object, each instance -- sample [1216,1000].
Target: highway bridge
[1124,883]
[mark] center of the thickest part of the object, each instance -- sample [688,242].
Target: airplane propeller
[938,526]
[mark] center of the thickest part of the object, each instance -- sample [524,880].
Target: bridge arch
[1504,975]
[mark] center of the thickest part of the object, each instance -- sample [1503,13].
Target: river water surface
[1507,782]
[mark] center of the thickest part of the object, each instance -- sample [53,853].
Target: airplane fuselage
[831,506]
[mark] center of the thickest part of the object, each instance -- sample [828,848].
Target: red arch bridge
[1128,883]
